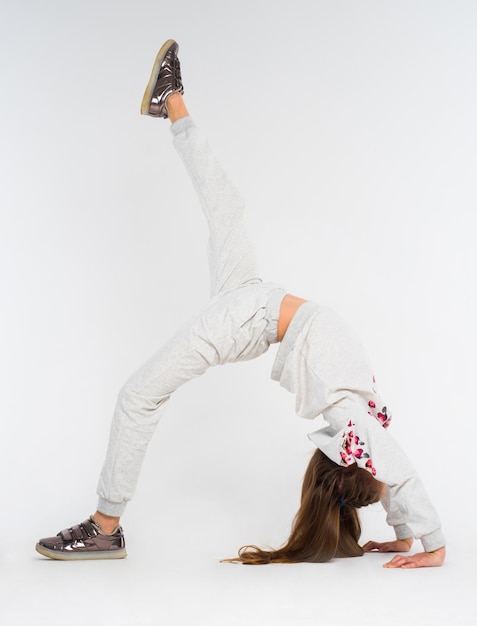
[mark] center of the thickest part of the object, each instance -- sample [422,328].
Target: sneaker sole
[81,556]
[146,99]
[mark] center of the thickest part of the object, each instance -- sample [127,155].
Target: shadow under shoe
[82,542]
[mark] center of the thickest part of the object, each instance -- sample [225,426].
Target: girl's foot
[84,542]
[165,80]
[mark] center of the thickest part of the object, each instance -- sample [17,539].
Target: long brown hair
[327,523]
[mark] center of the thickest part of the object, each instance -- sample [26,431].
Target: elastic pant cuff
[114,509]
[184,123]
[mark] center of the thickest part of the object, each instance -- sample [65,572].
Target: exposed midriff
[288,307]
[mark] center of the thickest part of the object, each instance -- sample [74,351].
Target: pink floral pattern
[354,449]
[381,415]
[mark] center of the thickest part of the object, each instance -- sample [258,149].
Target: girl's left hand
[398,545]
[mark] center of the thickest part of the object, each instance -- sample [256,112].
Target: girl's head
[327,522]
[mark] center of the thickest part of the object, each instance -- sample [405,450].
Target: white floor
[160,584]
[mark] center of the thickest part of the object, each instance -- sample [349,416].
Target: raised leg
[232,259]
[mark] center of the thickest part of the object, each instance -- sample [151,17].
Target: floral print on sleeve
[381,415]
[354,450]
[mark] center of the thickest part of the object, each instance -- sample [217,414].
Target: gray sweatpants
[239,323]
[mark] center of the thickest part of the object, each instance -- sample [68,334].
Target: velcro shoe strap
[77,532]
[89,528]
[66,534]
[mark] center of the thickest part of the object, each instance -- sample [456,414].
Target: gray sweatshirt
[321,361]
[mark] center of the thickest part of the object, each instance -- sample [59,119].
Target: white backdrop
[349,127]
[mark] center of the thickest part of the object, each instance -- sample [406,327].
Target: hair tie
[341,501]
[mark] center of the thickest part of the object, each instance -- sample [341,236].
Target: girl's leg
[231,255]
[235,326]
[140,405]
[192,351]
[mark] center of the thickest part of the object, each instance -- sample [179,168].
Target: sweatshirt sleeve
[365,442]
[394,517]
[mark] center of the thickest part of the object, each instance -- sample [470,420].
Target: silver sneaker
[165,80]
[82,542]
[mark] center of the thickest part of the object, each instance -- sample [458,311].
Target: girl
[356,461]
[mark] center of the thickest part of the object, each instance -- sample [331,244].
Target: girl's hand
[422,559]
[399,545]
